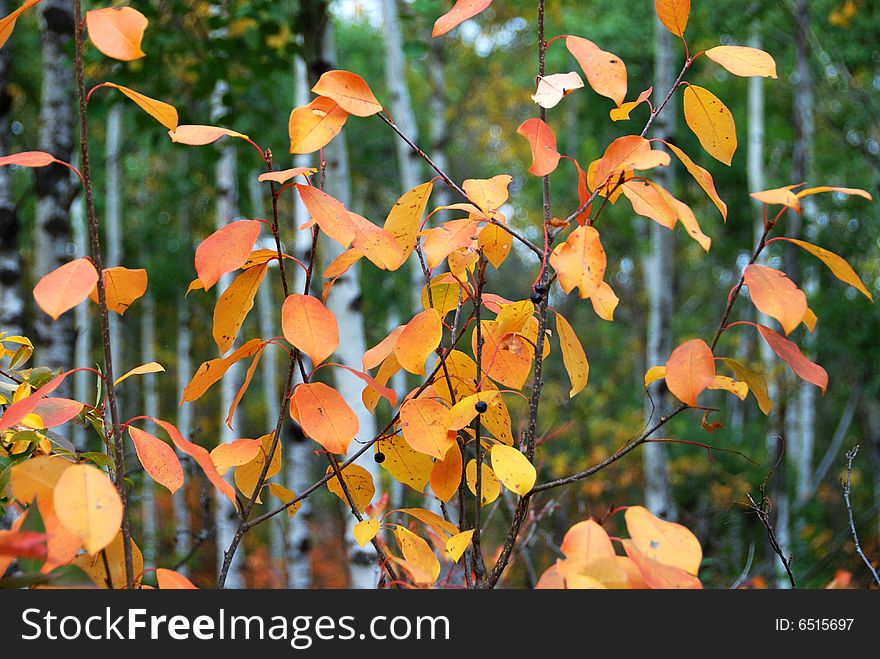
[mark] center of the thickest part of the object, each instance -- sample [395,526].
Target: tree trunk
[659,281]
[437,107]
[54,340]
[180,524]
[113,219]
[225,519]
[11,300]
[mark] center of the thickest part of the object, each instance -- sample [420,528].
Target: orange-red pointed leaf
[460,12]
[792,355]
[158,459]
[309,326]
[65,287]
[225,250]
[324,416]
[689,370]
[542,142]
[349,90]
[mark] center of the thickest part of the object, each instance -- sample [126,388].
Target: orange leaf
[489,194]
[7,23]
[88,505]
[162,112]
[647,199]
[349,90]
[35,478]
[419,338]
[310,326]
[542,142]
[372,384]
[689,370]
[329,213]
[16,412]
[234,304]
[284,175]
[792,355]
[379,246]
[65,287]
[441,241]
[673,14]
[495,243]
[460,12]
[776,295]
[377,354]
[711,122]
[212,370]
[359,484]
[702,177]
[28,159]
[446,474]
[665,542]
[658,575]
[743,61]
[626,153]
[424,422]
[234,454]
[838,266]
[622,112]
[324,416]
[580,261]
[122,286]
[507,357]
[171,580]
[199,135]
[573,356]
[248,377]
[312,126]
[158,459]
[201,457]
[584,543]
[783,196]
[225,250]
[117,31]
[605,71]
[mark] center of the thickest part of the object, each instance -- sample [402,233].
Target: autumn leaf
[162,112]
[225,250]
[308,325]
[210,372]
[858,192]
[465,410]
[648,200]
[36,477]
[580,261]
[460,12]
[663,541]
[28,159]
[495,243]
[702,177]
[584,544]
[573,356]
[324,416]
[621,113]
[755,382]
[379,246]
[605,71]
[234,305]
[689,370]
[659,575]
[446,474]
[95,565]
[117,31]
[358,482]
[490,486]
[673,14]
[513,469]
[458,543]
[366,530]
[551,89]
[792,355]
[542,142]
[441,241]
[776,295]
[87,503]
[247,475]
[313,126]
[711,122]
[329,213]
[783,196]
[743,61]
[235,453]
[404,463]
[158,459]
[24,544]
[122,287]
[424,423]
[172,580]
[65,287]
[838,266]
[349,90]
[53,412]
[626,153]
[418,340]
[489,194]
[200,135]
[506,356]
[405,217]
[281,176]
[7,23]
[20,409]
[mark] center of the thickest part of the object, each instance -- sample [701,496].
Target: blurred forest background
[246,64]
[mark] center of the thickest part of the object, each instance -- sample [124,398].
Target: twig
[95,240]
[847,486]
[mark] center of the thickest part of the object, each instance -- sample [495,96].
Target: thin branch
[847,487]
[114,432]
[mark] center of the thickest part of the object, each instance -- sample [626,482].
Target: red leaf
[792,355]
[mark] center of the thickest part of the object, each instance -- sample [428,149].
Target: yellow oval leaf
[88,505]
[458,543]
[404,463]
[513,469]
[490,487]
[743,61]
[665,542]
[366,530]
[573,356]
[359,484]
[162,112]
[234,305]
[36,478]
[711,122]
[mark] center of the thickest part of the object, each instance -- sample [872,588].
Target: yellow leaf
[465,410]
[143,369]
[405,217]
[212,370]
[513,469]
[604,301]
[424,423]
[234,305]
[36,478]
[286,496]
[310,326]
[488,194]
[584,544]
[421,562]
[247,475]
[359,484]
[490,487]
[329,213]
[755,382]
[457,544]
[162,112]
[702,177]
[738,389]
[117,31]
[495,243]
[93,564]
[624,154]
[366,530]
[404,463]
[573,356]
[783,196]
[122,286]
[711,122]
[440,526]
[743,61]
[858,192]
[418,340]
[88,505]
[665,542]
[653,374]
[838,266]
[647,199]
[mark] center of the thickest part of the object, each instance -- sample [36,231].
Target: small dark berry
[481,406]
[379,457]
[537,297]
[540,289]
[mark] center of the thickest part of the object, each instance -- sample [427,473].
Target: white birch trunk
[151,408]
[181,521]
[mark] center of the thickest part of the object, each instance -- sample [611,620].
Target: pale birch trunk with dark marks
[180,522]
[150,408]
[437,107]
[52,241]
[658,268]
[11,296]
